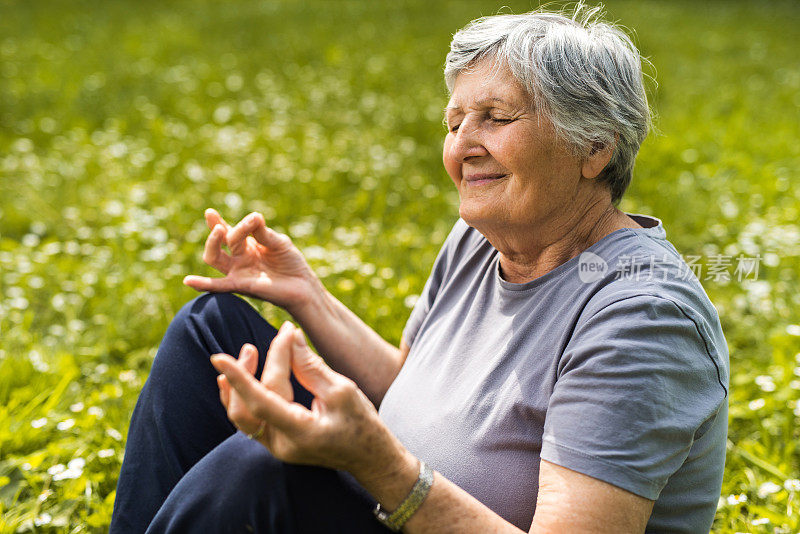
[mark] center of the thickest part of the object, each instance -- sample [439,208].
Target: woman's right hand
[262,263]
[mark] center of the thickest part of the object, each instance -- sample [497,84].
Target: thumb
[309,369]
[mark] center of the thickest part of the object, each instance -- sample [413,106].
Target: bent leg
[178,417]
[241,487]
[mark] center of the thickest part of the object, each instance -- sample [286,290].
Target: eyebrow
[482,102]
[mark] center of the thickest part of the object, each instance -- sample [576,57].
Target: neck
[528,253]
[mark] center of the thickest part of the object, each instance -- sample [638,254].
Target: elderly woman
[560,372]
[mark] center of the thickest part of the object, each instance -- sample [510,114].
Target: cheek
[450,164]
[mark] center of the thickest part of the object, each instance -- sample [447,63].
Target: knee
[215,321]
[213,311]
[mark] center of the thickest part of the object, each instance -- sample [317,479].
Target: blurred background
[121,121]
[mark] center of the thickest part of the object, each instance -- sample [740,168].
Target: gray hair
[584,75]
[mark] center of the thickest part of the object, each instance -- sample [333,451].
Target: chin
[474,213]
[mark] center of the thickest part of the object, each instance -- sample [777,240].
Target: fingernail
[299,338]
[284,326]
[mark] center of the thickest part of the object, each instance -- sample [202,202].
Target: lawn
[121,121]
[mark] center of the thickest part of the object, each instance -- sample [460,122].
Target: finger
[213,254]
[278,366]
[213,218]
[235,237]
[269,237]
[224,391]
[260,401]
[311,371]
[248,358]
[235,406]
[212,285]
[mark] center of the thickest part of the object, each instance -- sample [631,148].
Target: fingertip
[299,338]
[193,281]
[285,326]
[218,361]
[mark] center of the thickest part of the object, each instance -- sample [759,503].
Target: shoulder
[663,326]
[647,284]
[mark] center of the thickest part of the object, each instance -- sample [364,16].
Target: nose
[467,142]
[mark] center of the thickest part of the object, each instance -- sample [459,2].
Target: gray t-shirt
[613,364]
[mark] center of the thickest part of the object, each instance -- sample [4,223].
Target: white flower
[761,521]
[768,488]
[56,469]
[127,376]
[95,411]
[39,423]
[74,469]
[233,201]
[43,519]
[792,485]
[793,329]
[66,424]
[411,300]
[114,433]
[68,474]
[765,382]
[76,463]
[756,404]
[77,407]
[736,499]
[105,453]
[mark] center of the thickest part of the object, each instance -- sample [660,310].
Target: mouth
[478,179]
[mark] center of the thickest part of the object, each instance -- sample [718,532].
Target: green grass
[121,121]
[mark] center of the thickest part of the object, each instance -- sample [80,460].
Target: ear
[598,158]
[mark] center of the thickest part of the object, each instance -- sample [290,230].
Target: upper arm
[572,502]
[404,350]
[637,385]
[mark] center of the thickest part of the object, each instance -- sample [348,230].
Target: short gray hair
[584,75]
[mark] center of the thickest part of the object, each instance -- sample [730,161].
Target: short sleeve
[441,266]
[637,384]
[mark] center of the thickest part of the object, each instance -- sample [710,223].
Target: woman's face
[510,169]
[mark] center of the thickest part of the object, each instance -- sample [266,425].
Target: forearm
[446,509]
[348,344]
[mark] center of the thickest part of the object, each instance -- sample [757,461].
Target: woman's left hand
[342,429]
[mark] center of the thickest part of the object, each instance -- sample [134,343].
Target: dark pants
[187,469]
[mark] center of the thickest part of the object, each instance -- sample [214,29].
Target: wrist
[312,304]
[390,482]
[395,519]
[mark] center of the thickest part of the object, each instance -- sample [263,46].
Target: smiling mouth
[483,178]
